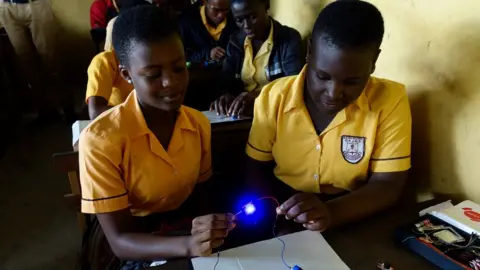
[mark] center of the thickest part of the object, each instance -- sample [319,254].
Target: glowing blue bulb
[249,209]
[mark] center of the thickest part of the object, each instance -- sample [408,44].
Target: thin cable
[218,260]
[273,231]
[283,243]
[271,198]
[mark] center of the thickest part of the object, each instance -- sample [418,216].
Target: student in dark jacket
[263,51]
[206,30]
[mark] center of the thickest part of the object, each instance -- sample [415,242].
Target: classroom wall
[77,48]
[432,46]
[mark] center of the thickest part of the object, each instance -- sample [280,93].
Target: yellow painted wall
[73,17]
[432,46]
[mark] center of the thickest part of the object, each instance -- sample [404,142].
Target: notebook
[214,118]
[308,250]
[77,128]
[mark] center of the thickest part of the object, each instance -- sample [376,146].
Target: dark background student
[206,30]
[125,4]
[263,51]
[101,12]
[32,30]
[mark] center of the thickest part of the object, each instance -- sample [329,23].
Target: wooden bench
[68,163]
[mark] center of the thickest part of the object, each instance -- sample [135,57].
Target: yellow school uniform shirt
[215,32]
[122,163]
[254,70]
[104,79]
[371,135]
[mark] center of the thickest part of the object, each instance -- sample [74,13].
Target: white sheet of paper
[214,118]
[77,128]
[437,207]
[307,249]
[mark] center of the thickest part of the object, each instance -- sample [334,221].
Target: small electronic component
[431,228]
[423,223]
[249,209]
[449,236]
[475,264]
[384,266]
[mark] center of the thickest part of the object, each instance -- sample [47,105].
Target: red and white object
[464,216]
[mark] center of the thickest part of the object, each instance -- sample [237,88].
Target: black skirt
[97,254]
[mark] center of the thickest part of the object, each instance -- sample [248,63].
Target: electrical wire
[283,244]
[273,232]
[218,260]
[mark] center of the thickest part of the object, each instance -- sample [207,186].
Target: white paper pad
[437,207]
[214,118]
[307,249]
[77,128]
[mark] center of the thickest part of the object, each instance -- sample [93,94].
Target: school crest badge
[353,149]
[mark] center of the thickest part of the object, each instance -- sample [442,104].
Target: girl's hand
[209,232]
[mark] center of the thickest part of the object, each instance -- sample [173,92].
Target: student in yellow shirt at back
[143,163]
[334,131]
[261,52]
[106,87]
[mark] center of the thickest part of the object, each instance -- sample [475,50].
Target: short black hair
[141,25]
[266,2]
[350,24]
[126,4]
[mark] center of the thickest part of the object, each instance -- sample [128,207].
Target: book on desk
[448,237]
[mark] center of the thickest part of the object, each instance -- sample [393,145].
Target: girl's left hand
[243,104]
[306,209]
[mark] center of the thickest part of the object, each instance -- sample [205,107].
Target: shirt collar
[269,41]
[131,103]
[362,101]
[295,96]
[203,15]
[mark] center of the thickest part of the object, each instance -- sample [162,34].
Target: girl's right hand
[208,232]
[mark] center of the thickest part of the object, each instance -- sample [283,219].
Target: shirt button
[315,176]
[318,147]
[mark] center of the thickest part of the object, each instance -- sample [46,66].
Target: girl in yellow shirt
[143,161]
[263,51]
[334,130]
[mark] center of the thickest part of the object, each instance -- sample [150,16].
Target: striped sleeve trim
[107,198]
[387,159]
[207,171]
[266,152]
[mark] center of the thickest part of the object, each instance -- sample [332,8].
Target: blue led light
[249,209]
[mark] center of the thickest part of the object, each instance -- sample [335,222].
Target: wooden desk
[371,241]
[363,245]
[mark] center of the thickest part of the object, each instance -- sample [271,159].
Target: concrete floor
[37,230]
